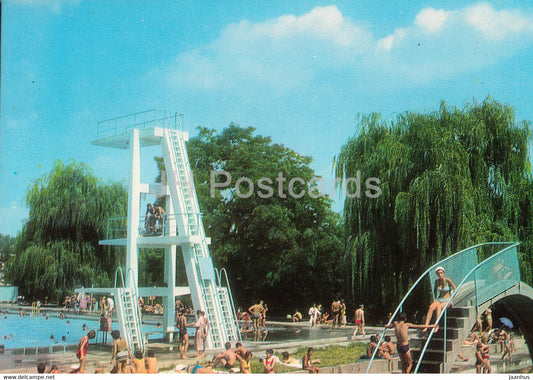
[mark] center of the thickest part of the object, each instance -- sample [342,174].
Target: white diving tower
[182,226]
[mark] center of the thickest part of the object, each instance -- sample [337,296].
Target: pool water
[299,333]
[33,331]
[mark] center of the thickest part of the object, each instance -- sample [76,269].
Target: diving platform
[157,241]
[177,223]
[115,132]
[142,291]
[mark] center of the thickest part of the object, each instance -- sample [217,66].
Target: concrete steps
[440,355]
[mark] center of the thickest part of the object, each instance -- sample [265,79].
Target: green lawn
[329,356]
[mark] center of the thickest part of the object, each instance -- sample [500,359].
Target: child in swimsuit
[246,365]
[151,363]
[400,328]
[121,352]
[138,362]
[485,351]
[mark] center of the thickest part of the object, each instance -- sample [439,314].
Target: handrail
[393,316]
[440,263]
[133,286]
[121,276]
[131,114]
[111,230]
[130,270]
[230,296]
[166,218]
[217,277]
[139,120]
[473,270]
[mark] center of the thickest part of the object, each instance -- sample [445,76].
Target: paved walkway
[167,354]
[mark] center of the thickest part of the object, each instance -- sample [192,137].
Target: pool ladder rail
[35,308]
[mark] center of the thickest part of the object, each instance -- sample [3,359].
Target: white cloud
[54,5]
[431,20]
[441,43]
[292,51]
[282,53]
[324,23]
[497,25]
[387,42]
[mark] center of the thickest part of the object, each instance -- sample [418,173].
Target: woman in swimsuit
[269,361]
[82,349]
[504,335]
[479,357]
[442,290]
[485,351]
[488,319]
[182,368]
[201,326]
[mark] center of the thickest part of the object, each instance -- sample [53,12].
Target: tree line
[448,179]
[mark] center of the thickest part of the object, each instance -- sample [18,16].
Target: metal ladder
[128,314]
[216,301]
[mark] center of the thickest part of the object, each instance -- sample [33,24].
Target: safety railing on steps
[230,296]
[134,306]
[505,260]
[458,265]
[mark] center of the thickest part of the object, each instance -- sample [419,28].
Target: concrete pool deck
[167,353]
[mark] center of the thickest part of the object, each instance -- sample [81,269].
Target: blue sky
[298,71]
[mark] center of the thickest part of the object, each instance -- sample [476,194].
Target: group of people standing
[122,359]
[154,218]
[202,332]
[81,302]
[337,318]
[84,302]
[256,313]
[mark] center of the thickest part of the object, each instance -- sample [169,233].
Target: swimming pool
[296,333]
[37,331]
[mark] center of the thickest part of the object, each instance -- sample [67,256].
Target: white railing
[140,120]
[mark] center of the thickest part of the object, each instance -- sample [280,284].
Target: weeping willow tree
[449,179]
[58,247]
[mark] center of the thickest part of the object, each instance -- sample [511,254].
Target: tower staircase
[445,345]
[210,296]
